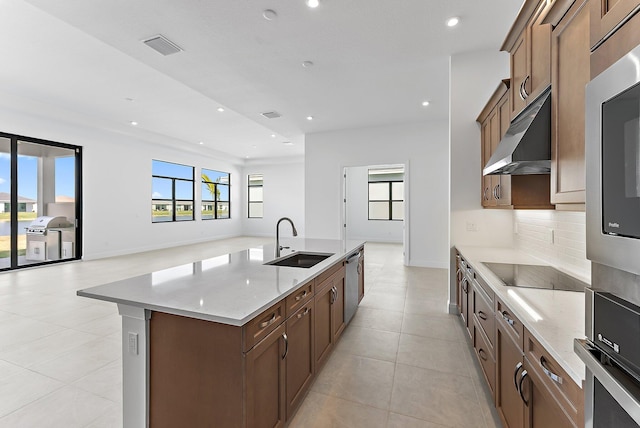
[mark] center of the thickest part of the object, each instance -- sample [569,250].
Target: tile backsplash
[558,237]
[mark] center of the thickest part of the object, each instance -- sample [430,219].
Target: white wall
[117,187]
[359,227]
[421,146]
[283,197]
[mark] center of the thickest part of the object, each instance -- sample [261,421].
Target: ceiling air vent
[162,45]
[271,114]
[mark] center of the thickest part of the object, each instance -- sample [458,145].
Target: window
[255,196]
[215,194]
[172,192]
[386,194]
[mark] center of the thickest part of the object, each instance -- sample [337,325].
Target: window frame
[215,199]
[173,201]
[249,201]
[390,200]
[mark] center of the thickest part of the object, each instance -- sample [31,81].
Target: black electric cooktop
[534,276]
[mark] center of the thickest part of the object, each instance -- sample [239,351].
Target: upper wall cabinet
[570,51]
[615,30]
[529,44]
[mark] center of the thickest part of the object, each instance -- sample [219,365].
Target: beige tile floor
[402,362]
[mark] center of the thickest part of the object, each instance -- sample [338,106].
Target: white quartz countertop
[230,289]
[553,317]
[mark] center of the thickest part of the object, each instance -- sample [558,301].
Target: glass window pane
[255,180]
[207,211]
[255,194]
[397,210]
[168,169]
[223,209]
[223,193]
[214,176]
[378,191]
[65,180]
[184,210]
[208,191]
[5,203]
[378,210]
[386,174]
[161,211]
[184,189]
[397,191]
[161,188]
[255,210]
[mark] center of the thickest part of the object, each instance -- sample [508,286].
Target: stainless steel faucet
[295,233]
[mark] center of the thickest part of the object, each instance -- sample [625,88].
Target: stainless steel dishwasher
[351,286]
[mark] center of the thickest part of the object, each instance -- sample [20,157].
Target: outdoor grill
[44,238]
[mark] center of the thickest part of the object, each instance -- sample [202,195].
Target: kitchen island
[228,340]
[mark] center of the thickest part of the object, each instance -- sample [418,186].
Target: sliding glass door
[40,210]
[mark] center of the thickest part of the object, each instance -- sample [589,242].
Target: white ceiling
[375,62]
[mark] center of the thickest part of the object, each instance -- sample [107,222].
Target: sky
[28,176]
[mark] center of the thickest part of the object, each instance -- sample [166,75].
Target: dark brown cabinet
[299,356]
[529,46]
[606,15]
[484,330]
[265,383]
[329,306]
[570,73]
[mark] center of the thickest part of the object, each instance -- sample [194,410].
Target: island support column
[135,366]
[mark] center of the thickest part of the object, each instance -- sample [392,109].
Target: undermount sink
[300,260]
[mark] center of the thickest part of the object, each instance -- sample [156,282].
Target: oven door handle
[621,394]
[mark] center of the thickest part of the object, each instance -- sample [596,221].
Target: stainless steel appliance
[351,286]
[611,354]
[613,165]
[535,276]
[44,238]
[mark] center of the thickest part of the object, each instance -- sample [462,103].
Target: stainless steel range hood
[526,147]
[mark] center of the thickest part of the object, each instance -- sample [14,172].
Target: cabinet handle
[334,295]
[306,311]
[522,95]
[554,377]
[301,296]
[495,191]
[515,374]
[498,192]
[484,194]
[268,322]
[505,316]
[286,345]
[522,376]
[482,315]
[359,269]
[482,354]
[524,87]
[465,285]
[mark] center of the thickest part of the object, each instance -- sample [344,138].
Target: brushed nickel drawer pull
[306,311]
[505,316]
[554,377]
[515,374]
[482,354]
[268,322]
[286,345]
[301,296]
[482,315]
[522,376]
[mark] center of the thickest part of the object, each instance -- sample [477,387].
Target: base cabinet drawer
[485,356]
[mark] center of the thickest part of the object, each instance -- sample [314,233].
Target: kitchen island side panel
[196,372]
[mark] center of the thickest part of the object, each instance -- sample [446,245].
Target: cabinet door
[265,383]
[459,277]
[606,15]
[323,335]
[361,276]
[337,305]
[509,363]
[570,74]
[504,181]
[539,54]
[487,180]
[542,410]
[299,360]
[466,291]
[519,73]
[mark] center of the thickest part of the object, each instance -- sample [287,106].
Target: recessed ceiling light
[307,64]
[453,21]
[287,143]
[273,135]
[133,122]
[269,14]
[309,117]
[425,103]
[247,157]
[201,143]
[313,3]
[220,109]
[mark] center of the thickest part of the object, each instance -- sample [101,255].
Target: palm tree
[211,186]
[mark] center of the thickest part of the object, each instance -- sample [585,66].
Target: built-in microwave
[613,165]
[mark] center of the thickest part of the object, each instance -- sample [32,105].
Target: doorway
[376,205]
